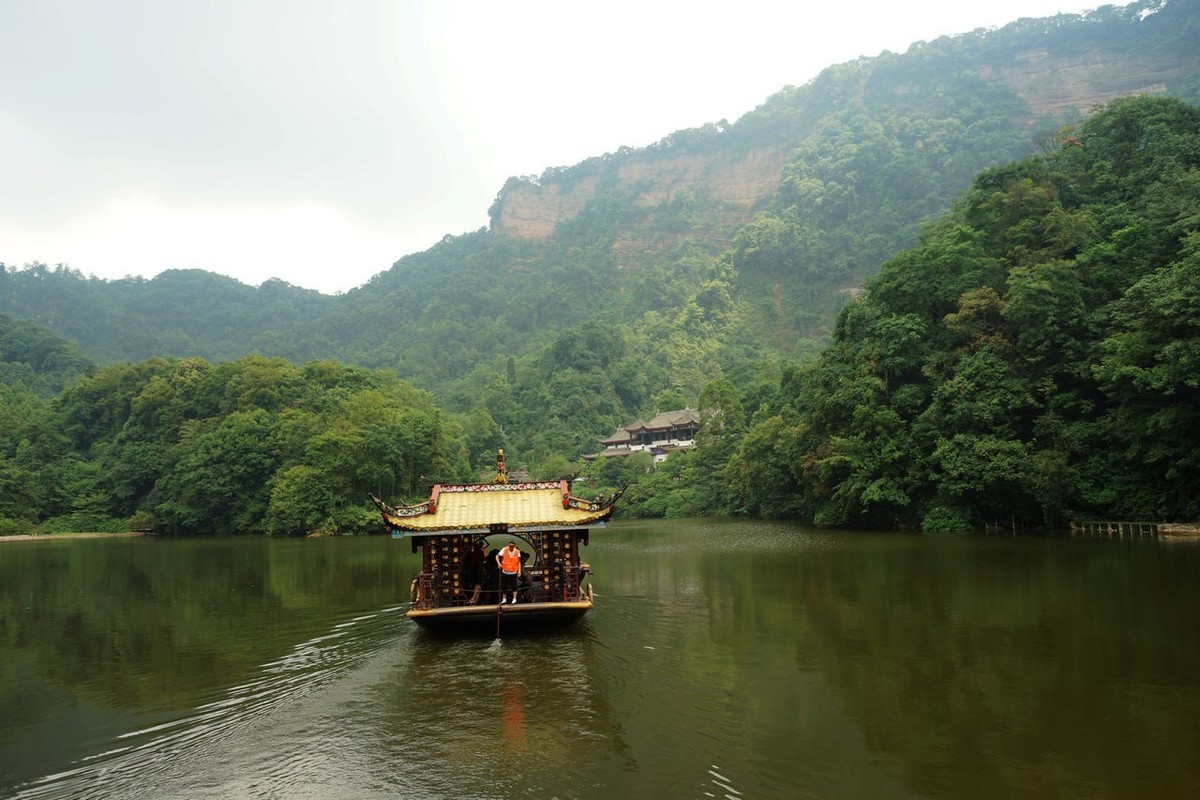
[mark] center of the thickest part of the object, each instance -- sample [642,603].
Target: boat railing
[427,589]
[424,591]
[570,584]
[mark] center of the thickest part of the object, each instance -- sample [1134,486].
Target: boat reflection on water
[508,717]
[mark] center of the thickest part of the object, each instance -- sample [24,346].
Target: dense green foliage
[252,445]
[34,359]
[178,313]
[35,364]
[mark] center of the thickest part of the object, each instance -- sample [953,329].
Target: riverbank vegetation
[253,445]
[1035,356]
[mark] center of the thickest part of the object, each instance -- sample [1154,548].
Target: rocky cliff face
[1052,85]
[738,180]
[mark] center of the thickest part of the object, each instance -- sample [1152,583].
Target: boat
[461,528]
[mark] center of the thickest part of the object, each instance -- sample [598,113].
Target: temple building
[665,432]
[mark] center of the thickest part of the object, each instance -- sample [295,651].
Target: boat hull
[502,618]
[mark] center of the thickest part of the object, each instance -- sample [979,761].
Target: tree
[218,482]
[302,501]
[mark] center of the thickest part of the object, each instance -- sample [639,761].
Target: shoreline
[42,537]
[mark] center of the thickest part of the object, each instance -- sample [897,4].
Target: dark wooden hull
[506,618]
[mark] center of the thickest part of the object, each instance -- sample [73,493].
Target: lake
[723,659]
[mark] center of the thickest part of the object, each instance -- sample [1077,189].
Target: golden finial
[501,470]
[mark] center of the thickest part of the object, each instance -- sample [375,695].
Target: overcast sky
[318,142]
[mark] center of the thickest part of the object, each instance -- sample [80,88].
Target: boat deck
[501,617]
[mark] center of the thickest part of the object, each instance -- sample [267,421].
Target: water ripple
[146,755]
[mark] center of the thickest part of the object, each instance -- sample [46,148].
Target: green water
[725,659]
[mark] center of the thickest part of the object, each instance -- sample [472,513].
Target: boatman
[509,560]
[473,568]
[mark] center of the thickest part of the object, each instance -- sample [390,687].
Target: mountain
[36,360]
[177,313]
[1038,71]
[599,289]
[845,168]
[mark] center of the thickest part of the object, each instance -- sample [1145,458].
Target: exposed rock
[1053,85]
[737,181]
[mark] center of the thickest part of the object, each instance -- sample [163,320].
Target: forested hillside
[1025,357]
[1036,357]
[36,360]
[178,313]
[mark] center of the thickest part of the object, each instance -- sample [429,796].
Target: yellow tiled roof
[459,510]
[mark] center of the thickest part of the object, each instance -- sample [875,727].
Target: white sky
[318,141]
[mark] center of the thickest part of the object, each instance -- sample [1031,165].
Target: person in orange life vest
[509,560]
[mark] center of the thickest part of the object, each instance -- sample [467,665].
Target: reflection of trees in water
[972,667]
[1010,669]
[703,619]
[155,626]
